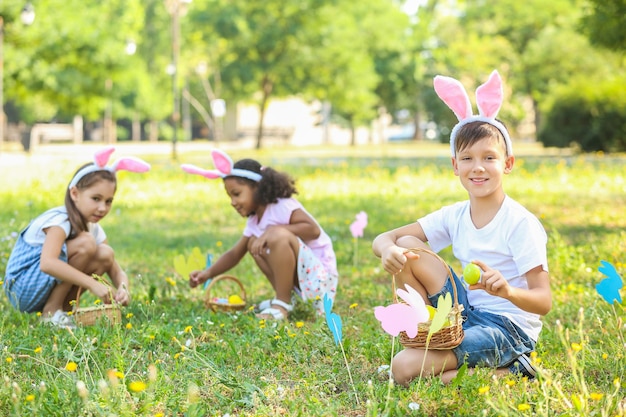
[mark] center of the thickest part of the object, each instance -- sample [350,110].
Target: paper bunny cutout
[101,158]
[488,100]
[356,228]
[225,168]
[399,317]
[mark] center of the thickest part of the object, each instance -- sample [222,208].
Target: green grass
[172,357]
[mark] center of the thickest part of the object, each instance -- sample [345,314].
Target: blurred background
[306,72]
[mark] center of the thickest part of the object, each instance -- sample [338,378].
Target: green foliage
[173,357]
[589,115]
[604,23]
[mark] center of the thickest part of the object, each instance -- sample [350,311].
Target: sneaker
[523,366]
[59,319]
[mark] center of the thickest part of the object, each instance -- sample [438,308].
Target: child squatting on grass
[502,311]
[286,242]
[60,249]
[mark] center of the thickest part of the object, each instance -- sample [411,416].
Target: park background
[362,76]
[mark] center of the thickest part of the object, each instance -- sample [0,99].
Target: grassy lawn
[171,356]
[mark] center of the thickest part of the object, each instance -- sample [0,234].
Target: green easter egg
[472,273]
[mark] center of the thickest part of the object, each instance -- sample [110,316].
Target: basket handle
[80,290]
[428,251]
[226,277]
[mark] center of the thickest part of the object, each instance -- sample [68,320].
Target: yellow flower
[605,355]
[523,407]
[9,359]
[299,324]
[577,347]
[129,315]
[73,302]
[596,396]
[484,389]
[170,281]
[119,374]
[219,244]
[71,366]
[176,356]
[98,301]
[354,305]
[30,397]
[129,326]
[39,312]
[510,382]
[151,337]
[188,329]
[38,349]
[137,386]
[69,313]
[277,337]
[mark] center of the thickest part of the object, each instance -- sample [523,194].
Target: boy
[502,311]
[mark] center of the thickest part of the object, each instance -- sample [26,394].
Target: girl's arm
[52,265]
[121,283]
[303,226]
[228,260]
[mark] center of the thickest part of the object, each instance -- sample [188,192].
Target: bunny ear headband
[101,158]
[488,100]
[224,165]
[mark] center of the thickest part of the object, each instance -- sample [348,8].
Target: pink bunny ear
[489,96]
[452,92]
[130,164]
[102,156]
[222,161]
[192,169]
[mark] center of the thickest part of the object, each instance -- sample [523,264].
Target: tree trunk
[267,87]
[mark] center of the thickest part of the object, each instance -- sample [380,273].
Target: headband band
[488,99]
[225,168]
[101,158]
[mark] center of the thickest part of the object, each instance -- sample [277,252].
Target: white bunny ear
[222,161]
[452,92]
[489,96]
[210,174]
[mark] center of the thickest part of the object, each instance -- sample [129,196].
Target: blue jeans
[491,340]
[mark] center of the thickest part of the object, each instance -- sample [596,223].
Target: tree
[603,23]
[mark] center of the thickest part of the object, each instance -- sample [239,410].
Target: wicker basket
[220,303]
[110,314]
[447,337]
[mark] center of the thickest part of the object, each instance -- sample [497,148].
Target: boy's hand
[492,281]
[394,258]
[196,278]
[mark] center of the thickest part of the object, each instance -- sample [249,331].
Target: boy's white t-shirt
[35,236]
[514,242]
[279,213]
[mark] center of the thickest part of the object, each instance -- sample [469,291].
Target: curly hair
[77,222]
[273,184]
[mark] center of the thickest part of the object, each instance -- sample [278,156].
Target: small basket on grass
[110,314]
[449,336]
[225,293]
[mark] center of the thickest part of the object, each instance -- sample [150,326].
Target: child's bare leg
[427,275]
[278,263]
[407,364]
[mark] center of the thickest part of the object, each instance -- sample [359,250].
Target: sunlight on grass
[171,356]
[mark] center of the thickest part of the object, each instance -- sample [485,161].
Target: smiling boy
[503,310]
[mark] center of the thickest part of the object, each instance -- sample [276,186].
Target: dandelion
[277,337]
[152,373]
[71,366]
[39,313]
[72,303]
[510,382]
[299,324]
[119,374]
[9,359]
[137,386]
[98,301]
[605,356]
[42,387]
[176,356]
[483,390]
[170,281]
[354,305]
[129,315]
[577,347]
[596,396]
[188,329]
[151,337]
[219,244]
[38,349]
[129,326]
[523,407]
